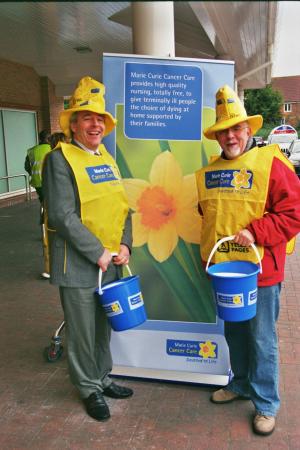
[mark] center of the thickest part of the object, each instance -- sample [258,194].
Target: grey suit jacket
[74,250]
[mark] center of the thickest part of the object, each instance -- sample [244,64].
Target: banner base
[171,375]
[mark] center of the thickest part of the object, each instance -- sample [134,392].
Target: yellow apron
[103,202]
[231,194]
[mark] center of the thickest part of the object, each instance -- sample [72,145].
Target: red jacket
[280,224]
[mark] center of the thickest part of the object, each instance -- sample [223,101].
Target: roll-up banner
[162,105]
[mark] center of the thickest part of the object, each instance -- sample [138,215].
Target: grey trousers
[88,336]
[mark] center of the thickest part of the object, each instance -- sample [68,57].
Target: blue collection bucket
[235,286]
[123,302]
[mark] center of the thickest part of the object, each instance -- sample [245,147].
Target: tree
[266,102]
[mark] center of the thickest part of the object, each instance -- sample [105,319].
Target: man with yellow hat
[253,194]
[89,227]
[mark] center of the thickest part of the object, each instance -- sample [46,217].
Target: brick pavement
[39,409]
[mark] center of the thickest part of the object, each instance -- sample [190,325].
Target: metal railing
[27,185]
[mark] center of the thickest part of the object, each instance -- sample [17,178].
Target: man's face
[88,129]
[233,140]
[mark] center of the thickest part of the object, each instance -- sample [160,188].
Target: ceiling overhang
[243,32]
[45,36]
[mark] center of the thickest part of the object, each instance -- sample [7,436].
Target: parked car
[295,155]
[283,135]
[259,141]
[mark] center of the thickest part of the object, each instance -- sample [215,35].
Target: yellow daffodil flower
[237,300]
[241,179]
[207,349]
[115,307]
[165,207]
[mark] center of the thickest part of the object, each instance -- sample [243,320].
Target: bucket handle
[230,238]
[100,278]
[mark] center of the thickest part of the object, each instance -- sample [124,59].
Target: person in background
[33,165]
[57,137]
[89,228]
[253,194]
[54,139]
[34,161]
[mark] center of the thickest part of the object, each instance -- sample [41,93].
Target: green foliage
[266,102]
[298,127]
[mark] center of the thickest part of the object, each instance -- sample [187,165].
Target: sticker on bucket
[230,300]
[135,301]
[252,297]
[113,309]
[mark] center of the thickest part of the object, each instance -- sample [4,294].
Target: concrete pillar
[241,94]
[153,28]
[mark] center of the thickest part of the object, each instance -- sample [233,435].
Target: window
[14,145]
[287,107]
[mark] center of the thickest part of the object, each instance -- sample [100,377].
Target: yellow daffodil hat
[229,112]
[88,96]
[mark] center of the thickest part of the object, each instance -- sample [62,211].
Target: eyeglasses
[237,129]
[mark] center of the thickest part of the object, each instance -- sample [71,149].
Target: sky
[286,60]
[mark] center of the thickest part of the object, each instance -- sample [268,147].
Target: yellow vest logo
[241,179]
[228,179]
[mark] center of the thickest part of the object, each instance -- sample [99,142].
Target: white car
[283,135]
[294,156]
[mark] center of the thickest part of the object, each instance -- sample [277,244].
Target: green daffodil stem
[186,255]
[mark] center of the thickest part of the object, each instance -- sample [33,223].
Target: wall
[293,117]
[56,105]
[22,88]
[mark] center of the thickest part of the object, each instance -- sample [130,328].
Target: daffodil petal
[189,225]
[139,232]
[134,188]
[166,172]
[189,194]
[162,243]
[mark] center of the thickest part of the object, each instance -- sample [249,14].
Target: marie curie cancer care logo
[237,179]
[102,174]
[113,309]
[236,300]
[202,351]
[135,301]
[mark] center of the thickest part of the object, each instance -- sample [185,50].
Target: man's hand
[104,260]
[123,256]
[244,238]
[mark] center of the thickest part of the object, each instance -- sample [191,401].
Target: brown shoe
[224,396]
[263,425]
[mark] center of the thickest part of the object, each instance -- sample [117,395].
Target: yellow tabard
[103,202]
[231,194]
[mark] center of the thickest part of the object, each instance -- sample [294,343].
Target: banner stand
[161,106]
[170,375]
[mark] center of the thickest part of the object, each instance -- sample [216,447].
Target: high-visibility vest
[36,157]
[231,194]
[103,201]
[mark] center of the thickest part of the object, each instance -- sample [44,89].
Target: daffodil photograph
[160,184]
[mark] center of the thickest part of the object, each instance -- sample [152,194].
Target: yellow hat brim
[255,123]
[64,118]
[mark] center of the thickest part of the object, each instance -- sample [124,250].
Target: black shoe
[96,406]
[116,391]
